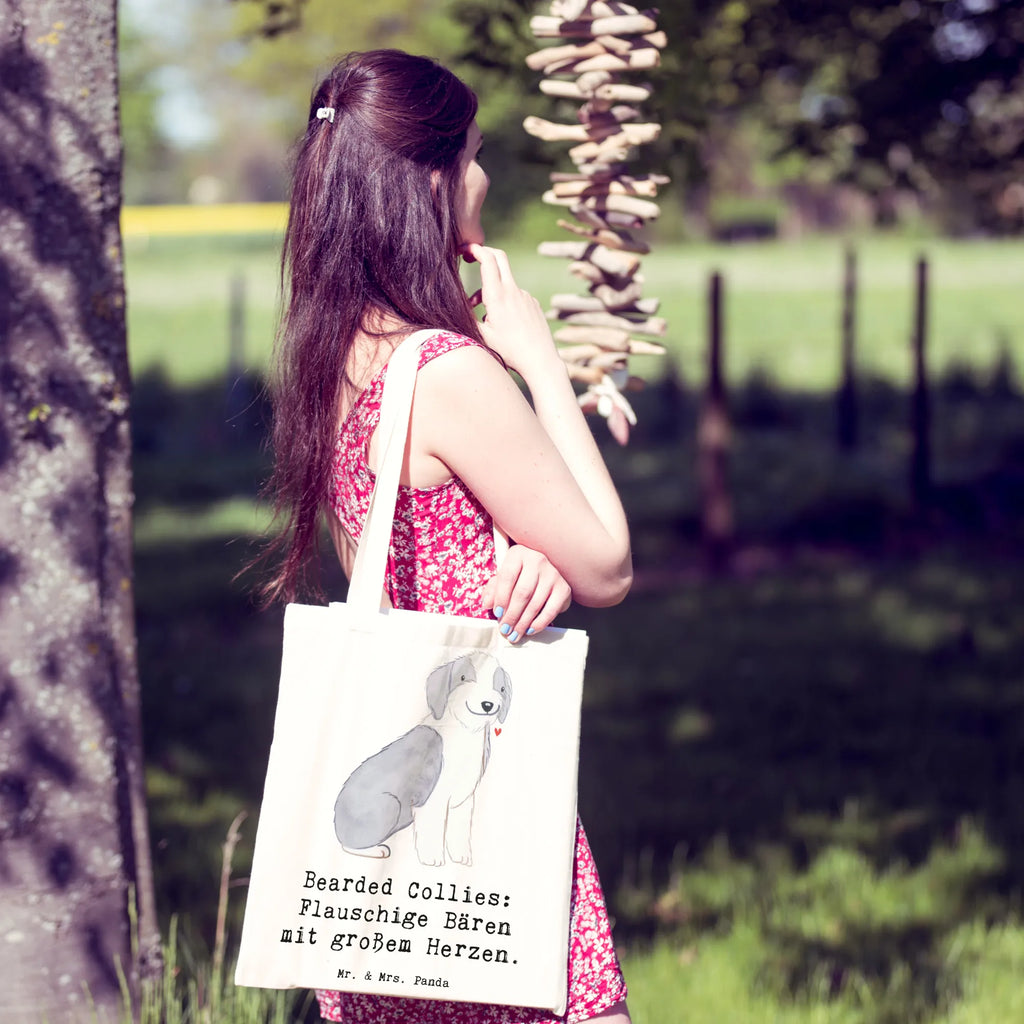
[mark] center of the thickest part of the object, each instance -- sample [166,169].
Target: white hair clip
[325,114]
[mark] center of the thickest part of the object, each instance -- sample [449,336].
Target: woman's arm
[539,474]
[527,588]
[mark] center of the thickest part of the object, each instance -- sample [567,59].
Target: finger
[482,253]
[513,587]
[500,260]
[548,601]
[547,615]
[529,600]
[503,583]
[504,267]
[490,273]
[477,297]
[487,595]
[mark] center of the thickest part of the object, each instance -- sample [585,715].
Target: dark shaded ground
[855,678]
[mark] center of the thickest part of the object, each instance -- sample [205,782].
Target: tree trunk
[920,410]
[846,400]
[713,442]
[73,835]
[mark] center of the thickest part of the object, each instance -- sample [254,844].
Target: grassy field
[782,303]
[802,779]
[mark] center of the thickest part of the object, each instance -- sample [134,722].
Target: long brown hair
[371,233]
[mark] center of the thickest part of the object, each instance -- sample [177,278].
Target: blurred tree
[927,94]
[254,65]
[278,16]
[73,835]
[885,94]
[150,160]
[278,47]
[288,63]
[492,46]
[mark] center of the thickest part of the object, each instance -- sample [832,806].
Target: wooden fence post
[713,439]
[239,389]
[236,327]
[846,399]
[920,464]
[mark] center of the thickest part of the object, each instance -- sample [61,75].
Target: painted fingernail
[514,637]
[498,612]
[531,631]
[505,627]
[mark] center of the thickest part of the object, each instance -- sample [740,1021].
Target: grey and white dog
[428,777]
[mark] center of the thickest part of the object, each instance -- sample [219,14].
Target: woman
[387,195]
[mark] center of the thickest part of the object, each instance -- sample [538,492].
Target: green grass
[723,977]
[802,780]
[782,304]
[752,970]
[716,981]
[189,990]
[179,300]
[232,517]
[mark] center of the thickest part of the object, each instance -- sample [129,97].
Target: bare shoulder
[467,402]
[468,358]
[468,373]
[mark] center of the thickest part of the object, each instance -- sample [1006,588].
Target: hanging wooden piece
[599,43]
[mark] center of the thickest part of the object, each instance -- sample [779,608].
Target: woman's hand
[515,325]
[526,593]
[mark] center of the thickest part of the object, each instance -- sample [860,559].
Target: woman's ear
[435,181]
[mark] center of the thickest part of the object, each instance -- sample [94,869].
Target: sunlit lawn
[782,303]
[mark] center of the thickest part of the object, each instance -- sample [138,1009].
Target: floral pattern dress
[441,557]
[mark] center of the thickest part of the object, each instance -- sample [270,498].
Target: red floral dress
[442,556]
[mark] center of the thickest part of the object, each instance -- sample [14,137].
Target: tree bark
[73,834]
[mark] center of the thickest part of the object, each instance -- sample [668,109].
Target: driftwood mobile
[610,41]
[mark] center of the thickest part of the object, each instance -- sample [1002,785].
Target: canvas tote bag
[416,836]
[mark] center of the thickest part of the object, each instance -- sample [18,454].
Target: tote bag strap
[370,566]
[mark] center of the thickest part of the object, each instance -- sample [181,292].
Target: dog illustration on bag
[428,777]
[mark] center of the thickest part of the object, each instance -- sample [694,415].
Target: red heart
[497,731]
